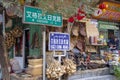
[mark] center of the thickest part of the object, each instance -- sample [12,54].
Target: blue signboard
[59,41]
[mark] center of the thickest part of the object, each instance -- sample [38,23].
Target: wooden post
[3,54]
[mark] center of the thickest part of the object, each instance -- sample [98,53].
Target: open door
[110,34]
[26,47]
[21,49]
[18,51]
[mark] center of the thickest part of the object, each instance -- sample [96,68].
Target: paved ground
[95,74]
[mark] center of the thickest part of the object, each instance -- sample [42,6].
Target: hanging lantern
[103,6]
[104,10]
[71,19]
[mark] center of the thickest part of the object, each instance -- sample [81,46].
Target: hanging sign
[59,41]
[34,15]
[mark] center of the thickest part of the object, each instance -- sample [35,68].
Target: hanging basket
[17,32]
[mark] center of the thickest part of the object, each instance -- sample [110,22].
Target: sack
[80,45]
[75,31]
[73,42]
[15,66]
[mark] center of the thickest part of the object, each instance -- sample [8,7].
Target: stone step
[104,77]
[89,73]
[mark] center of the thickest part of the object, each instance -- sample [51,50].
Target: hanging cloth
[35,40]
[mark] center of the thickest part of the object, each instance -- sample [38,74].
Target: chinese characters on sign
[36,16]
[59,41]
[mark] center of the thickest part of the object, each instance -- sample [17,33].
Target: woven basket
[35,66]
[35,61]
[35,71]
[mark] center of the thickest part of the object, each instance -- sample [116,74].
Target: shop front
[83,55]
[25,54]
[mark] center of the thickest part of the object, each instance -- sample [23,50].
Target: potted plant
[117,72]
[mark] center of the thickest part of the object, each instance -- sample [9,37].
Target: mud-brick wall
[35,43]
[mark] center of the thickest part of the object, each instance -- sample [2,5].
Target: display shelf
[91,51]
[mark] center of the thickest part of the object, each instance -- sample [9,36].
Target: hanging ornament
[80,11]
[71,19]
[22,2]
[79,17]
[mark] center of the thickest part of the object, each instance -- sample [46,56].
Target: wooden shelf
[95,45]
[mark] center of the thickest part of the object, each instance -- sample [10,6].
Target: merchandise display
[55,70]
[70,67]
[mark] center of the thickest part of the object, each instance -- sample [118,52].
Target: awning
[112,13]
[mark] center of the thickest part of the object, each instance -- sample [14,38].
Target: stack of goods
[96,40]
[70,67]
[107,56]
[115,59]
[55,70]
[35,67]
